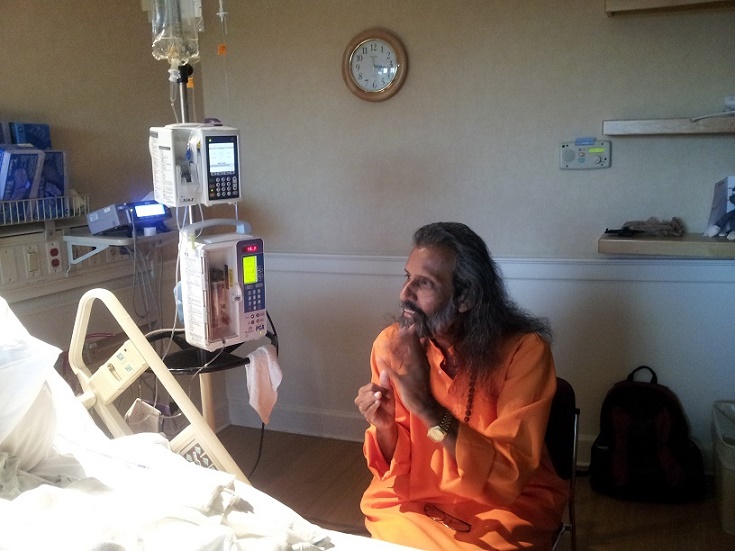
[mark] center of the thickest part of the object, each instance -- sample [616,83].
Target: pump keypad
[223,187]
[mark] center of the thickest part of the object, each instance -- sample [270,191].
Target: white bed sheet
[134,493]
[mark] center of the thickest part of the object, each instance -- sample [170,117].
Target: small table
[192,360]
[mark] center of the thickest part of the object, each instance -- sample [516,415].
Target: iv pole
[180,75]
[185,71]
[206,384]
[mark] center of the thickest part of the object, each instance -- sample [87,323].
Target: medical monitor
[195,164]
[147,214]
[222,168]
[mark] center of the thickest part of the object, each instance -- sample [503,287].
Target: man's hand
[411,378]
[377,403]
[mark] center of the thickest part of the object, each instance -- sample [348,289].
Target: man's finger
[385,379]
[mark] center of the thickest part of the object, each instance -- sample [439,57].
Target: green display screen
[596,150]
[249,269]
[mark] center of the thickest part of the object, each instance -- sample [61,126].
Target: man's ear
[463,305]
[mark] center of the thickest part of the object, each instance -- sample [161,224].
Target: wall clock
[374,65]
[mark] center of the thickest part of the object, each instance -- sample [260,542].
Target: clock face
[373,65]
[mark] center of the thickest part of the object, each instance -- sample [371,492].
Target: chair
[561,441]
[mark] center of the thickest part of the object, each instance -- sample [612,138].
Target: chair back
[561,431]
[561,441]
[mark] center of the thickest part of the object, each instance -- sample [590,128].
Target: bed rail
[197,442]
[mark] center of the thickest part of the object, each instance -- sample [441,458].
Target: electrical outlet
[32,257]
[54,264]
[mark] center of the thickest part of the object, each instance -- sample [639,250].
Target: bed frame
[197,442]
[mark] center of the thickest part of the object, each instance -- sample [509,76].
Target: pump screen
[149,209]
[249,269]
[221,157]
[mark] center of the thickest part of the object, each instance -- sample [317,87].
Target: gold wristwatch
[437,433]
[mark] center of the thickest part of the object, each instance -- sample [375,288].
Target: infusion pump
[194,164]
[222,285]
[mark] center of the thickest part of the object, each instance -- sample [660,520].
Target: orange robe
[502,482]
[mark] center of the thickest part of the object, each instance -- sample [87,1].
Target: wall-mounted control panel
[34,256]
[584,154]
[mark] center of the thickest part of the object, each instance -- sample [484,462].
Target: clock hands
[379,68]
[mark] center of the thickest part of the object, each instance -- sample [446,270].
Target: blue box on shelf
[38,135]
[20,175]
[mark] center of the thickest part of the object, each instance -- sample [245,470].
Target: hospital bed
[68,483]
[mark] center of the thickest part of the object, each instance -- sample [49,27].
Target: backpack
[644,451]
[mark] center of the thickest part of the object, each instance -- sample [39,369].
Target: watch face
[373,65]
[436,434]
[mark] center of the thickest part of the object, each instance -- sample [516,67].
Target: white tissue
[263,377]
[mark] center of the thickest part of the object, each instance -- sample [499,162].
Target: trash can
[723,433]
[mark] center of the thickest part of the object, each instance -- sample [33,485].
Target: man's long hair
[491,316]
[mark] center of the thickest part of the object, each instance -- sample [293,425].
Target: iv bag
[176,25]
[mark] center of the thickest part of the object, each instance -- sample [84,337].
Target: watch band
[446,422]
[437,433]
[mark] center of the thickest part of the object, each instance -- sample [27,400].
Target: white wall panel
[608,315]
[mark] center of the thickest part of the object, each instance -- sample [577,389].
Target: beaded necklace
[470,391]
[470,397]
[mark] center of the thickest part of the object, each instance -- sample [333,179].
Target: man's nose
[407,291]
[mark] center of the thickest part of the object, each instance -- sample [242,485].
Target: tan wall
[493,87]
[85,68]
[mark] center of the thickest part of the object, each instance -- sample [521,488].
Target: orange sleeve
[400,464]
[500,456]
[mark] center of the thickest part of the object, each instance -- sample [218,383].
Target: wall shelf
[642,127]
[690,245]
[98,243]
[613,7]
[45,209]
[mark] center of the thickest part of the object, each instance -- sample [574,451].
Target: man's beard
[427,325]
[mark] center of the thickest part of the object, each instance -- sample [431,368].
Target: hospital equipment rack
[192,360]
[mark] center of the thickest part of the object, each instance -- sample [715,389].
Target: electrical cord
[273,336]
[260,449]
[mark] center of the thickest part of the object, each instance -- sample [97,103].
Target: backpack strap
[654,378]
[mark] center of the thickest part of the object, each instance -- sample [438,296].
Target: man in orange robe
[458,405]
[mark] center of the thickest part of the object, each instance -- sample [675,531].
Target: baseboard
[310,421]
[584,447]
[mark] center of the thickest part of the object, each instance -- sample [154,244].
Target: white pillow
[25,363]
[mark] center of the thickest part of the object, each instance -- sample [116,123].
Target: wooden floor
[323,480]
